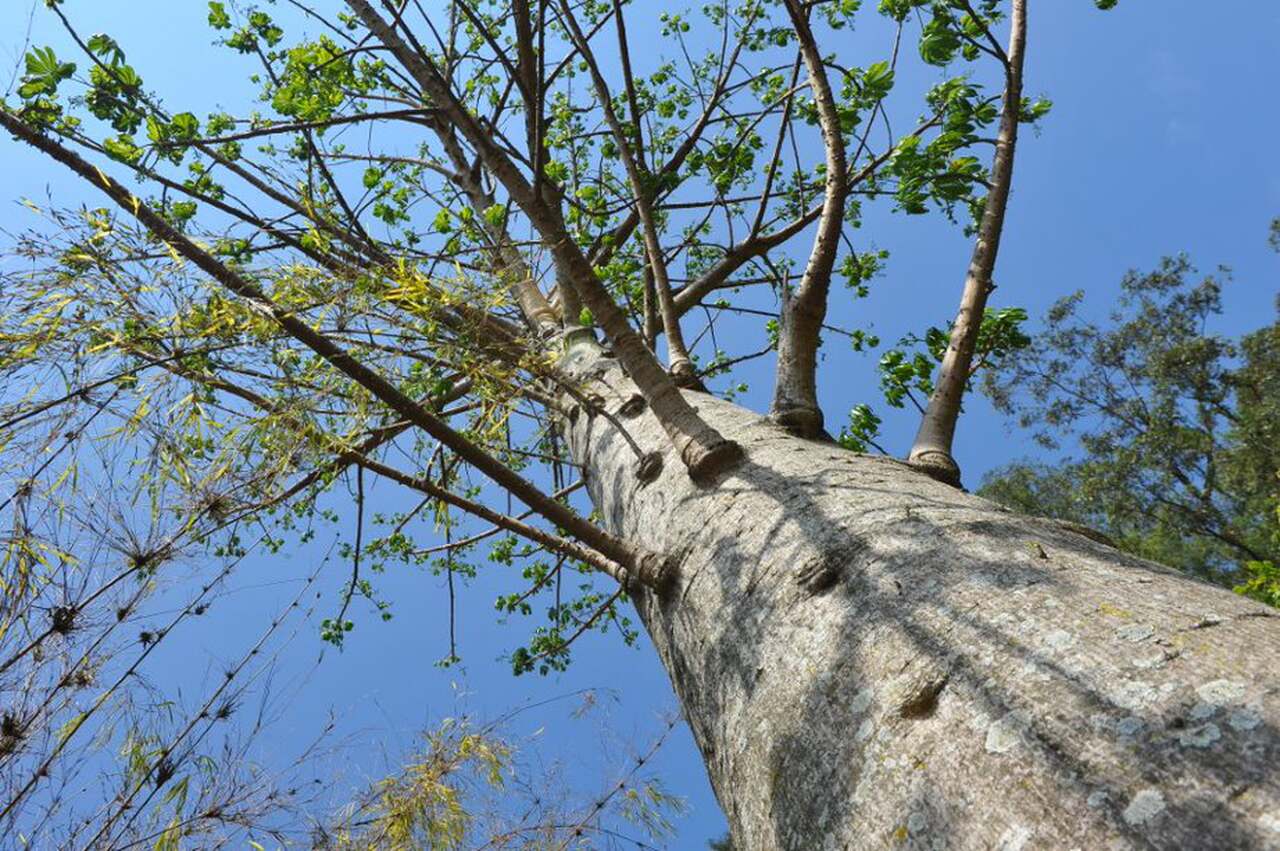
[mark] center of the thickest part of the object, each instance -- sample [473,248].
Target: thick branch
[931,451]
[759,245]
[294,127]
[795,395]
[508,262]
[573,549]
[678,361]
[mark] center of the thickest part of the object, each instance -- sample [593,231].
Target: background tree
[267,321]
[1176,426]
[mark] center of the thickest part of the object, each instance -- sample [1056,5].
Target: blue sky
[1162,139]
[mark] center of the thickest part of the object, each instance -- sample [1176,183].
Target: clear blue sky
[1162,139]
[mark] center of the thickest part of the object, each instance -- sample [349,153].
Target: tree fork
[643,187]
[703,451]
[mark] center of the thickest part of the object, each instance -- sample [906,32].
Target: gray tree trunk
[871,659]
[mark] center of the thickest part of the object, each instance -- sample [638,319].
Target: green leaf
[877,80]
[495,215]
[184,126]
[31,89]
[1033,110]
[899,9]
[218,17]
[443,222]
[44,73]
[264,27]
[939,42]
[105,46]
[122,148]
[862,431]
[156,131]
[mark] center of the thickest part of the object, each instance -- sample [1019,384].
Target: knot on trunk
[918,697]
[937,465]
[655,571]
[706,461]
[684,376]
[633,407]
[800,421]
[648,467]
[821,574]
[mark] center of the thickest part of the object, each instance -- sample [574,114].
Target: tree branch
[795,396]
[702,449]
[646,566]
[931,451]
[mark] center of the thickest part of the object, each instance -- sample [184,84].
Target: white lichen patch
[1034,672]
[1203,710]
[1134,694]
[1135,632]
[1129,727]
[1015,838]
[1003,735]
[1059,639]
[861,701]
[1151,661]
[1221,692]
[1245,719]
[1200,737]
[917,822]
[865,730]
[1098,799]
[1144,807]
[1269,822]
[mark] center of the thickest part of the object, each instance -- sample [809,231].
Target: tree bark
[872,659]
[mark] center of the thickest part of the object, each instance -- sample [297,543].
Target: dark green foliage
[1173,429]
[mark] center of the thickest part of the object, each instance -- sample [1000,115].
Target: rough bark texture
[871,659]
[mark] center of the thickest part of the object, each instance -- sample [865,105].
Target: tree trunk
[871,659]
